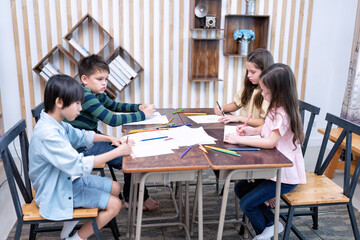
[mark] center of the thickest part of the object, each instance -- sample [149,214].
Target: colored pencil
[127,139]
[147,130]
[228,152]
[202,148]
[167,139]
[193,111]
[220,108]
[185,152]
[181,118]
[244,149]
[190,114]
[222,149]
[148,139]
[189,124]
[171,120]
[178,111]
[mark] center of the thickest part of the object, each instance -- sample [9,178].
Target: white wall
[331,39]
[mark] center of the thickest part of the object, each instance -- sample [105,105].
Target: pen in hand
[220,108]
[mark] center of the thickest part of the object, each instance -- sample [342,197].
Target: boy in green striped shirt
[97,106]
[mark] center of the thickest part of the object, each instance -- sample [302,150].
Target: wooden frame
[214,8]
[258,23]
[49,57]
[90,21]
[204,59]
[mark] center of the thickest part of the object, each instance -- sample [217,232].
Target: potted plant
[244,36]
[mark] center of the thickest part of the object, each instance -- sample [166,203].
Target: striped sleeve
[118,106]
[94,106]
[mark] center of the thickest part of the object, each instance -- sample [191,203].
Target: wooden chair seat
[31,212]
[317,190]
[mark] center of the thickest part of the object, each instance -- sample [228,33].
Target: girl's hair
[89,65]
[280,81]
[262,59]
[63,87]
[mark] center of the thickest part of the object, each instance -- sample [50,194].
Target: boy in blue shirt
[59,174]
[97,106]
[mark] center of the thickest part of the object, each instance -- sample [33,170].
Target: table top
[195,159]
[264,158]
[334,135]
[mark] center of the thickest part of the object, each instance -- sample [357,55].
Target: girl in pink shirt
[282,129]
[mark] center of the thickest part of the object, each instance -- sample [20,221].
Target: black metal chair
[320,190]
[29,212]
[313,111]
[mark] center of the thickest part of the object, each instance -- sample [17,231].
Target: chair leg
[288,222]
[112,173]
[18,230]
[114,228]
[95,228]
[315,217]
[353,221]
[32,232]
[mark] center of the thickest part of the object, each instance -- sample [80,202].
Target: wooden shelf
[204,59]
[258,23]
[55,57]
[214,8]
[130,61]
[87,26]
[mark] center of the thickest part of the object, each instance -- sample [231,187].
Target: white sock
[269,232]
[75,237]
[67,228]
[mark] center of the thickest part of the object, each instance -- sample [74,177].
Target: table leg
[130,208]
[223,206]
[187,204]
[134,203]
[140,204]
[329,172]
[200,205]
[277,204]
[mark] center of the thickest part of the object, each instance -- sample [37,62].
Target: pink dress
[279,119]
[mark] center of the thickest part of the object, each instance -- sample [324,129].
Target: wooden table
[169,167]
[252,165]
[335,163]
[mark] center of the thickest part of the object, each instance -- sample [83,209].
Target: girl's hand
[229,118]
[231,138]
[243,131]
[217,110]
[271,203]
[148,109]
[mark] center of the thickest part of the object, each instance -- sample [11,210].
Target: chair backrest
[348,129]
[13,172]
[36,111]
[303,106]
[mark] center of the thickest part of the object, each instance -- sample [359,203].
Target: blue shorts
[91,192]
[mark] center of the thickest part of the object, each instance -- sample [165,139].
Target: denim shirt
[53,160]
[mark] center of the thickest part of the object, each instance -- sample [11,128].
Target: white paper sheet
[155,118]
[205,118]
[232,129]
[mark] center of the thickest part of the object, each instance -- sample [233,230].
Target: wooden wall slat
[142,57]
[28,54]
[282,30]
[171,49]
[59,33]
[291,32]
[18,58]
[298,42]
[131,50]
[152,50]
[306,51]
[273,26]
[181,43]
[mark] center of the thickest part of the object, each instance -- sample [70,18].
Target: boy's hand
[116,141]
[148,109]
[124,149]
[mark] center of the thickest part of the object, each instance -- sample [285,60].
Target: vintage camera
[209,21]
